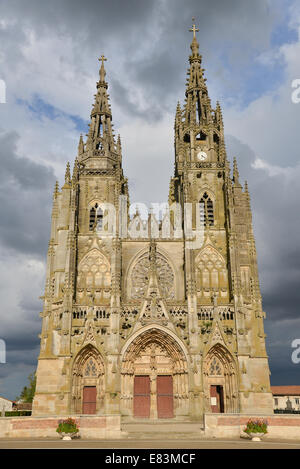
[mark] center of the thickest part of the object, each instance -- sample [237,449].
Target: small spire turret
[236,174]
[75,171]
[56,190]
[68,174]
[80,146]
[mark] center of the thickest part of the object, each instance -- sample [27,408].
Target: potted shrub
[67,429]
[256,429]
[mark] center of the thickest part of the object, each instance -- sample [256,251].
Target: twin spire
[197,121]
[100,138]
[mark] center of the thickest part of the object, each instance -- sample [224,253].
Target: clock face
[201,155]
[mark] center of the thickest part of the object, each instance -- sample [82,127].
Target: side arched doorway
[88,382]
[220,381]
[154,377]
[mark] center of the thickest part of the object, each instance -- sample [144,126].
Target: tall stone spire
[197,102]
[100,138]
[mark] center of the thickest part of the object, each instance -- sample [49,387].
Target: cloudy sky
[48,60]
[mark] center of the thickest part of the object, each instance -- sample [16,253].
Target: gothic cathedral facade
[139,319]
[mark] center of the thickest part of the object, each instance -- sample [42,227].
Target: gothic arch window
[201,136]
[206,210]
[198,106]
[211,273]
[100,126]
[215,368]
[96,217]
[216,139]
[139,277]
[90,368]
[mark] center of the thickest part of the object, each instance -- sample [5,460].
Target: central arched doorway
[154,377]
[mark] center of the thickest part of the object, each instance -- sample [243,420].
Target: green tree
[27,393]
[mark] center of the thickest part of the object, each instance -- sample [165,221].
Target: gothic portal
[158,318]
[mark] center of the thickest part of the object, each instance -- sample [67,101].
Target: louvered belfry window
[96,217]
[206,210]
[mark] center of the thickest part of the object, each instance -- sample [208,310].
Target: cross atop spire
[194,45]
[102,72]
[194,29]
[103,59]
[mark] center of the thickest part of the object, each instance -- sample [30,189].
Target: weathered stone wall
[232,425]
[102,427]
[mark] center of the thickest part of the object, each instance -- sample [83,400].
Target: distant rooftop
[285,390]
[5,398]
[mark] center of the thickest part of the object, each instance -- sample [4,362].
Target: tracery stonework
[93,278]
[150,324]
[140,277]
[211,273]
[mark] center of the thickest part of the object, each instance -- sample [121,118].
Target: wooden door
[141,400]
[165,397]
[216,399]
[89,400]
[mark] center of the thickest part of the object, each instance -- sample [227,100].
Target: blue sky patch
[41,109]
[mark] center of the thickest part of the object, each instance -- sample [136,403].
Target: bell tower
[221,276]
[82,292]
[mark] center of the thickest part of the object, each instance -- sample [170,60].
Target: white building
[5,404]
[286,397]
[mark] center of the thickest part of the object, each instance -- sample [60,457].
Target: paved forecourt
[145,444]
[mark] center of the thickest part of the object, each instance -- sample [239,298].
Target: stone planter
[256,436]
[67,436]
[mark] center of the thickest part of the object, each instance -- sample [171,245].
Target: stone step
[162,436]
[163,430]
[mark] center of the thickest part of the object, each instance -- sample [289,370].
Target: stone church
[140,319]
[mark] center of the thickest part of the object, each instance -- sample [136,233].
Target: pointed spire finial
[68,174]
[80,146]
[56,190]
[178,112]
[236,175]
[75,171]
[102,72]
[246,190]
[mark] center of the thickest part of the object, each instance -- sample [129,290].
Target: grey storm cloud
[276,219]
[25,199]
[148,40]
[275,202]
[147,45]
